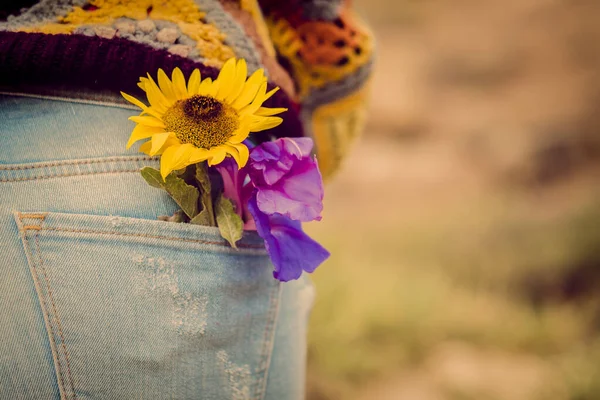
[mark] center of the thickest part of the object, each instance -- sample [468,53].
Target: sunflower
[202,120]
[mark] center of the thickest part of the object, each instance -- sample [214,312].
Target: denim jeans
[100,300]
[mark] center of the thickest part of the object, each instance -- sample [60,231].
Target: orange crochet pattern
[329,53]
[321,52]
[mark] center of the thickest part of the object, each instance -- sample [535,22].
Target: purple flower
[285,187]
[287,179]
[233,180]
[291,250]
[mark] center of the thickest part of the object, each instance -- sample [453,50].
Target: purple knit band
[35,62]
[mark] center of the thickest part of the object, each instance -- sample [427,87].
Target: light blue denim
[100,300]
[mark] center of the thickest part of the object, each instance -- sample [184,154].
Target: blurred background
[465,225]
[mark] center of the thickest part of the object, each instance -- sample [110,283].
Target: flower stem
[205,191]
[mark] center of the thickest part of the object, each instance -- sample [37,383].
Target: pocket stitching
[61,163]
[33,267]
[78,167]
[56,316]
[223,244]
[33,178]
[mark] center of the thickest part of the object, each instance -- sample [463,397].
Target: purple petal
[233,180]
[292,185]
[299,147]
[272,175]
[299,196]
[268,151]
[272,160]
[290,249]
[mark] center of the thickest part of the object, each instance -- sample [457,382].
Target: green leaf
[152,176]
[230,224]
[203,218]
[205,192]
[186,196]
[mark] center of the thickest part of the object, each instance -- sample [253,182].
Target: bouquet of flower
[212,169]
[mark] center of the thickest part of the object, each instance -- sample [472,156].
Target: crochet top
[316,51]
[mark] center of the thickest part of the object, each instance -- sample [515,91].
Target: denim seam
[66,175]
[56,316]
[44,306]
[268,342]
[74,162]
[223,244]
[69,100]
[40,293]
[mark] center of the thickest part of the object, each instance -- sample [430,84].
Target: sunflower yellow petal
[134,101]
[153,111]
[248,94]
[250,89]
[175,157]
[217,155]
[268,95]
[267,112]
[263,123]
[179,84]
[156,98]
[158,141]
[166,86]
[226,79]
[240,153]
[240,134]
[257,77]
[142,132]
[233,151]
[171,141]
[241,74]
[244,153]
[186,150]
[213,89]
[194,82]
[153,89]
[262,97]
[205,87]
[145,147]
[145,108]
[167,161]
[183,155]
[147,121]
[198,155]
[256,103]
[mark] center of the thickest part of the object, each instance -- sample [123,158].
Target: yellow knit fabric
[184,13]
[335,127]
[253,8]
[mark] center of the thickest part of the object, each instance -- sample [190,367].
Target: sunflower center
[202,121]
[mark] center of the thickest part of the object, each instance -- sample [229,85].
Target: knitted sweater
[315,50]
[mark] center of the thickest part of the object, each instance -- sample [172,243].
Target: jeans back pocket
[142,309]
